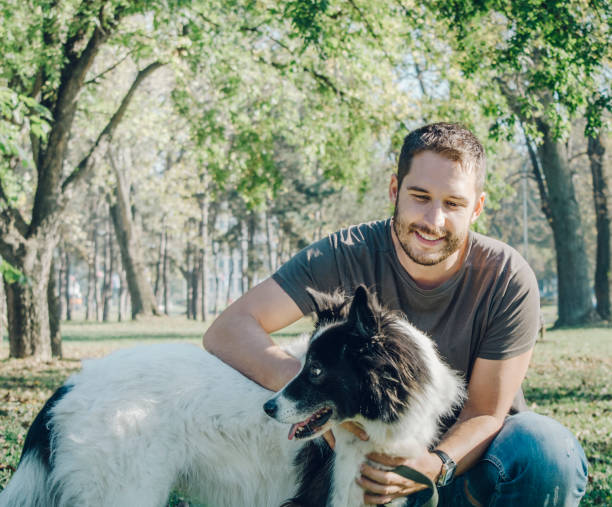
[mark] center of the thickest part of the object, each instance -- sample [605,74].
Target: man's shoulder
[498,258]
[493,250]
[372,235]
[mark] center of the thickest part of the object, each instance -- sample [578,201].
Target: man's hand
[354,428]
[382,486]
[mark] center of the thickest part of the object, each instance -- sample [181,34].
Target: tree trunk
[269,243]
[2,309]
[121,310]
[203,261]
[158,266]
[195,284]
[574,301]
[244,255]
[91,273]
[67,285]
[54,314]
[188,278]
[108,274]
[96,290]
[165,272]
[596,151]
[230,277]
[27,305]
[215,251]
[128,237]
[59,274]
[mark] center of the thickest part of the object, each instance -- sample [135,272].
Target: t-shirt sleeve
[315,266]
[515,320]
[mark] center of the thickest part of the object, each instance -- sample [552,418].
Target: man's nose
[435,215]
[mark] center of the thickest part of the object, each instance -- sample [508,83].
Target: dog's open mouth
[311,425]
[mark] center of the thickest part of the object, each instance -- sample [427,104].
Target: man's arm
[240,335]
[492,388]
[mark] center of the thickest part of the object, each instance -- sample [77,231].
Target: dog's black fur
[367,368]
[38,439]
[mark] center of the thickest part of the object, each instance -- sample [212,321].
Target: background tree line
[150,148]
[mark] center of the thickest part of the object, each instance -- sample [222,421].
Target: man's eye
[453,204]
[421,198]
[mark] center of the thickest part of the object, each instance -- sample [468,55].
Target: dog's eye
[315,371]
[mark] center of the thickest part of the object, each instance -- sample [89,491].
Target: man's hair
[451,140]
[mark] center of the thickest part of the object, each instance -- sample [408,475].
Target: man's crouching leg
[534,461]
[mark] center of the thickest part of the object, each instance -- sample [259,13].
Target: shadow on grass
[131,336]
[47,380]
[544,396]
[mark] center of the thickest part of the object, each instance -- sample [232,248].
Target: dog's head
[360,362]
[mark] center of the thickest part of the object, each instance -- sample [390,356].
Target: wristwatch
[448,468]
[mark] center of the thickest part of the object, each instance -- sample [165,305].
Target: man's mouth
[429,239]
[311,425]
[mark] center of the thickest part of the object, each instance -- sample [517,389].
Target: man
[475,296]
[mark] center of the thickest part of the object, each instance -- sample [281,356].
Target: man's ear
[393,188]
[478,207]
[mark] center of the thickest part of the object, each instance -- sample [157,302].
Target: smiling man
[476,297]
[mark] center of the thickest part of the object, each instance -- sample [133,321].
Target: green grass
[570,379]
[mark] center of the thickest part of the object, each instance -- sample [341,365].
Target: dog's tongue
[295,427]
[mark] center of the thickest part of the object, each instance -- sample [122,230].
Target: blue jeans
[533,461]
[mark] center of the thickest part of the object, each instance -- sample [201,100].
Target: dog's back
[137,423]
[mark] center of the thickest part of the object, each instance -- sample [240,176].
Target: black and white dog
[130,427]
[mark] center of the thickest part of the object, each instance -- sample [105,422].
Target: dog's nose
[270,407]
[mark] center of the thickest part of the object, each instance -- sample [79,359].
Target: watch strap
[446,459]
[448,468]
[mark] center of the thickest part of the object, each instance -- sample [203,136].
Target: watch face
[448,471]
[448,468]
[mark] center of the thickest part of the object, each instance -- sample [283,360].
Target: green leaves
[556,49]
[11,274]
[16,112]
[306,17]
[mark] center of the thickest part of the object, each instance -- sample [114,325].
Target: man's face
[434,208]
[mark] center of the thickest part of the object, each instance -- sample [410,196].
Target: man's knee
[540,453]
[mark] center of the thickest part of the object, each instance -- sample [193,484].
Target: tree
[545,59]
[53,57]
[128,238]
[596,151]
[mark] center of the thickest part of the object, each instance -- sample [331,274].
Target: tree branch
[419,76]
[539,177]
[50,160]
[576,155]
[371,31]
[321,78]
[103,140]
[12,214]
[106,71]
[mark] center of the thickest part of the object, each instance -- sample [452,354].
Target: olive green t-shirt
[488,309]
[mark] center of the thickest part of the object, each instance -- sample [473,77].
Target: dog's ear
[361,313]
[328,307]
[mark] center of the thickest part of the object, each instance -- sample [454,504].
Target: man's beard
[403,230]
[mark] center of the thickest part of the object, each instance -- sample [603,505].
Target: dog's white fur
[143,421]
